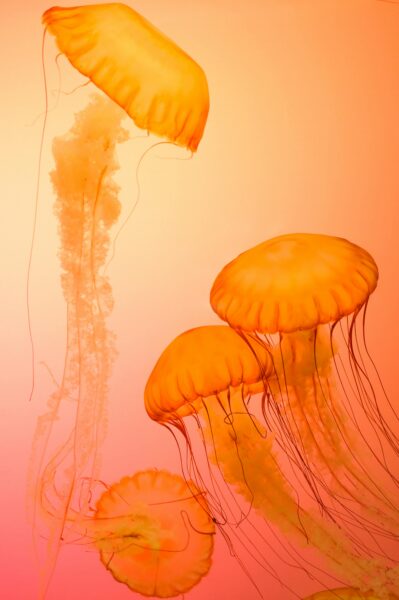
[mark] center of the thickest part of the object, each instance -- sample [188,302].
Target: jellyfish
[153,533]
[144,75]
[343,594]
[303,295]
[158,85]
[210,373]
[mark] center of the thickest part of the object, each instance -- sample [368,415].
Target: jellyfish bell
[199,363]
[345,594]
[302,294]
[294,282]
[154,533]
[159,86]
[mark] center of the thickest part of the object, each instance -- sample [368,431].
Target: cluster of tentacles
[289,407]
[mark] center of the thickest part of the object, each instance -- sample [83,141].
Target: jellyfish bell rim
[193,407]
[247,310]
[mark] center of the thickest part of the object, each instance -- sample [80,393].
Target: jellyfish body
[159,86]
[209,373]
[293,292]
[154,533]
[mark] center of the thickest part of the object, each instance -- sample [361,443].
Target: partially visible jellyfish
[165,92]
[344,594]
[154,533]
[209,373]
[294,294]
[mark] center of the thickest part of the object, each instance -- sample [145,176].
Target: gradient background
[303,135]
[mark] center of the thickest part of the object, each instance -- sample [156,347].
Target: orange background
[303,135]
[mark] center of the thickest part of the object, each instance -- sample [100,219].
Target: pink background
[303,135]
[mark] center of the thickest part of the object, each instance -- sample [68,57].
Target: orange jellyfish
[345,594]
[210,373]
[164,91]
[303,295]
[154,533]
[158,85]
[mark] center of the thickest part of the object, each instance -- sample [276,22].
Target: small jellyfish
[303,296]
[210,373]
[154,533]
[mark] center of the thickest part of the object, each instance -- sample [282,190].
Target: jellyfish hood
[294,282]
[159,86]
[199,363]
[154,533]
